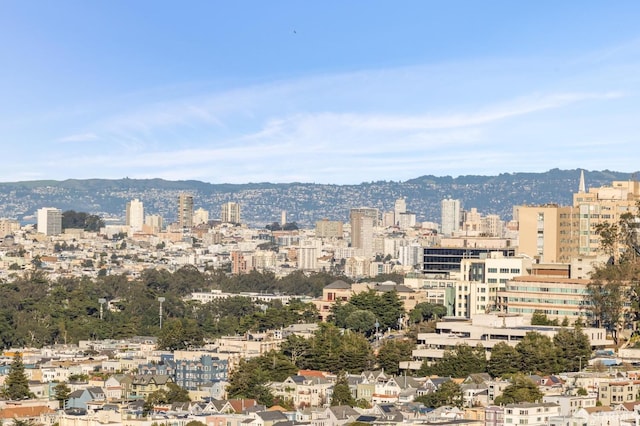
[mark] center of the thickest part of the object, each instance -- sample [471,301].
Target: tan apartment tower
[363,220]
[230,213]
[185,211]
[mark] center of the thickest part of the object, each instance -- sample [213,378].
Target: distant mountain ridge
[305,203]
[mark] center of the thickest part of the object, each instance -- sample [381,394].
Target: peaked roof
[339,285]
[343,411]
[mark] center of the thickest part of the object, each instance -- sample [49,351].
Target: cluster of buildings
[109,381]
[540,260]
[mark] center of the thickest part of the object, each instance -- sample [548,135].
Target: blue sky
[326,92]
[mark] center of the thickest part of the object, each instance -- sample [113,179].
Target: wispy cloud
[81,137]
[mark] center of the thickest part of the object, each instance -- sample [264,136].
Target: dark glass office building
[442,261]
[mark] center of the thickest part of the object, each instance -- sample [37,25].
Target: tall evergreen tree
[505,360]
[16,386]
[341,392]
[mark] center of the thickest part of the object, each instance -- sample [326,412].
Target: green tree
[361,320]
[392,352]
[298,349]
[521,389]
[426,311]
[61,392]
[178,334]
[505,360]
[354,354]
[341,392]
[605,301]
[573,348]
[540,318]
[461,361]
[449,393]
[537,354]
[16,385]
[248,380]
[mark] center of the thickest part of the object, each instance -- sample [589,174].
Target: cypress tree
[17,384]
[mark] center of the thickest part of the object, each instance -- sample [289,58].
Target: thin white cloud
[81,137]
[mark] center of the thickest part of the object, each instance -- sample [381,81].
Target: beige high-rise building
[230,212]
[399,207]
[185,211]
[560,234]
[134,215]
[326,228]
[154,222]
[603,204]
[363,220]
[547,232]
[8,227]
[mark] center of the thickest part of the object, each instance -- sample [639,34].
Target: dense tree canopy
[521,389]
[505,360]
[458,362]
[37,311]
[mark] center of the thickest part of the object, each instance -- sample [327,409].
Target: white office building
[49,221]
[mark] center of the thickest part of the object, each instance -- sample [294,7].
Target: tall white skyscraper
[49,221]
[230,212]
[399,207]
[450,216]
[135,215]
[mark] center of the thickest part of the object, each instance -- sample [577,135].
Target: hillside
[305,203]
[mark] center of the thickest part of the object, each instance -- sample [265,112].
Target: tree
[297,348]
[426,311]
[16,385]
[61,392]
[248,380]
[449,393]
[521,389]
[341,392]
[537,354]
[392,352]
[361,320]
[573,348]
[604,300]
[461,361]
[505,360]
[540,318]
[354,354]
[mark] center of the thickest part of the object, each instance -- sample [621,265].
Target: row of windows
[547,289]
[504,270]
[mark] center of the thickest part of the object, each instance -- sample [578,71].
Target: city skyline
[320,93]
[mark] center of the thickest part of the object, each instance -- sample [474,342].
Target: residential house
[79,399]
[143,385]
[530,413]
[33,414]
[336,291]
[618,391]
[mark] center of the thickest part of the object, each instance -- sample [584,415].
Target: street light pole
[161,299]
[101,301]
